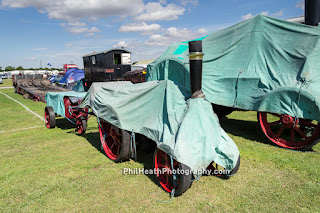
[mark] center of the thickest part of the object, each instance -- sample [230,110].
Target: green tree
[19,68]
[9,68]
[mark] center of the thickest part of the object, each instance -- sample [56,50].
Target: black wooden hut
[108,65]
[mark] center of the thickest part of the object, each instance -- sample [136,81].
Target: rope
[69,110]
[133,146]
[196,179]
[104,133]
[70,120]
[296,119]
[175,184]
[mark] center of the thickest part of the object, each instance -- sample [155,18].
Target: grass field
[60,170]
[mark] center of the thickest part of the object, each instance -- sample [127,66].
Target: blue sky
[62,31]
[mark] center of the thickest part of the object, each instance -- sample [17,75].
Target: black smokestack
[312,12]
[195,59]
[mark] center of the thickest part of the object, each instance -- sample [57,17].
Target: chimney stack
[312,12]
[195,59]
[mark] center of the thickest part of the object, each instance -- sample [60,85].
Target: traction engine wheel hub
[287,120]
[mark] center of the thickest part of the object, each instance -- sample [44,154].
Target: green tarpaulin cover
[55,99]
[185,128]
[262,64]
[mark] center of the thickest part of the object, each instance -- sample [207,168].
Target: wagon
[263,64]
[65,104]
[190,141]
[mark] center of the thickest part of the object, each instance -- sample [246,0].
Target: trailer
[66,104]
[34,86]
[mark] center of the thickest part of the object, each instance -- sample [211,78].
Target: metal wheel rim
[112,142]
[276,138]
[163,161]
[47,118]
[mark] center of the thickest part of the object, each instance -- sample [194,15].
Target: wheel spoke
[118,150]
[274,123]
[279,132]
[307,123]
[300,132]
[292,135]
[112,145]
[175,163]
[275,114]
[167,179]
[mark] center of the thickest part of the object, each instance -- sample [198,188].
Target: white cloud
[277,14]
[121,44]
[154,11]
[78,30]
[31,59]
[163,1]
[192,2]
[73,10]
[40,49]
[300,4]
[77,24]
[68,45]
[173,34]
[249,15]
[139,27]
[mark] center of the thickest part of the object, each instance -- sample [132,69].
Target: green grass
[60,170]
[6,83]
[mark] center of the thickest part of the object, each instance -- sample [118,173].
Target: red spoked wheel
[115,142]
[288,132]
[50,117]
[81,125]
[162,164]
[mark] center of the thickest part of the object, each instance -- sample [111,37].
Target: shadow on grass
[144,158]
[250,130]
[63,123]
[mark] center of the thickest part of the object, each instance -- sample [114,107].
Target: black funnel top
[312,12]
[195,46]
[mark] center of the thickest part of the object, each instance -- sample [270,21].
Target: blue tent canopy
[72,75]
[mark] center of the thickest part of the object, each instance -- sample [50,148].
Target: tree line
[11,68]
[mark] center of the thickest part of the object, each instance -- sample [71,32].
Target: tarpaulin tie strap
[133,146]
[175,184]
[104,133]
[296,119]
[71,121]
[69,110]
[196,179]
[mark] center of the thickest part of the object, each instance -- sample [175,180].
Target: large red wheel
[50,117]
[115,142]
[162,164]
[288,132]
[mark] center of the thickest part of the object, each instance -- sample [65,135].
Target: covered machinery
[262,64]
[181,123]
